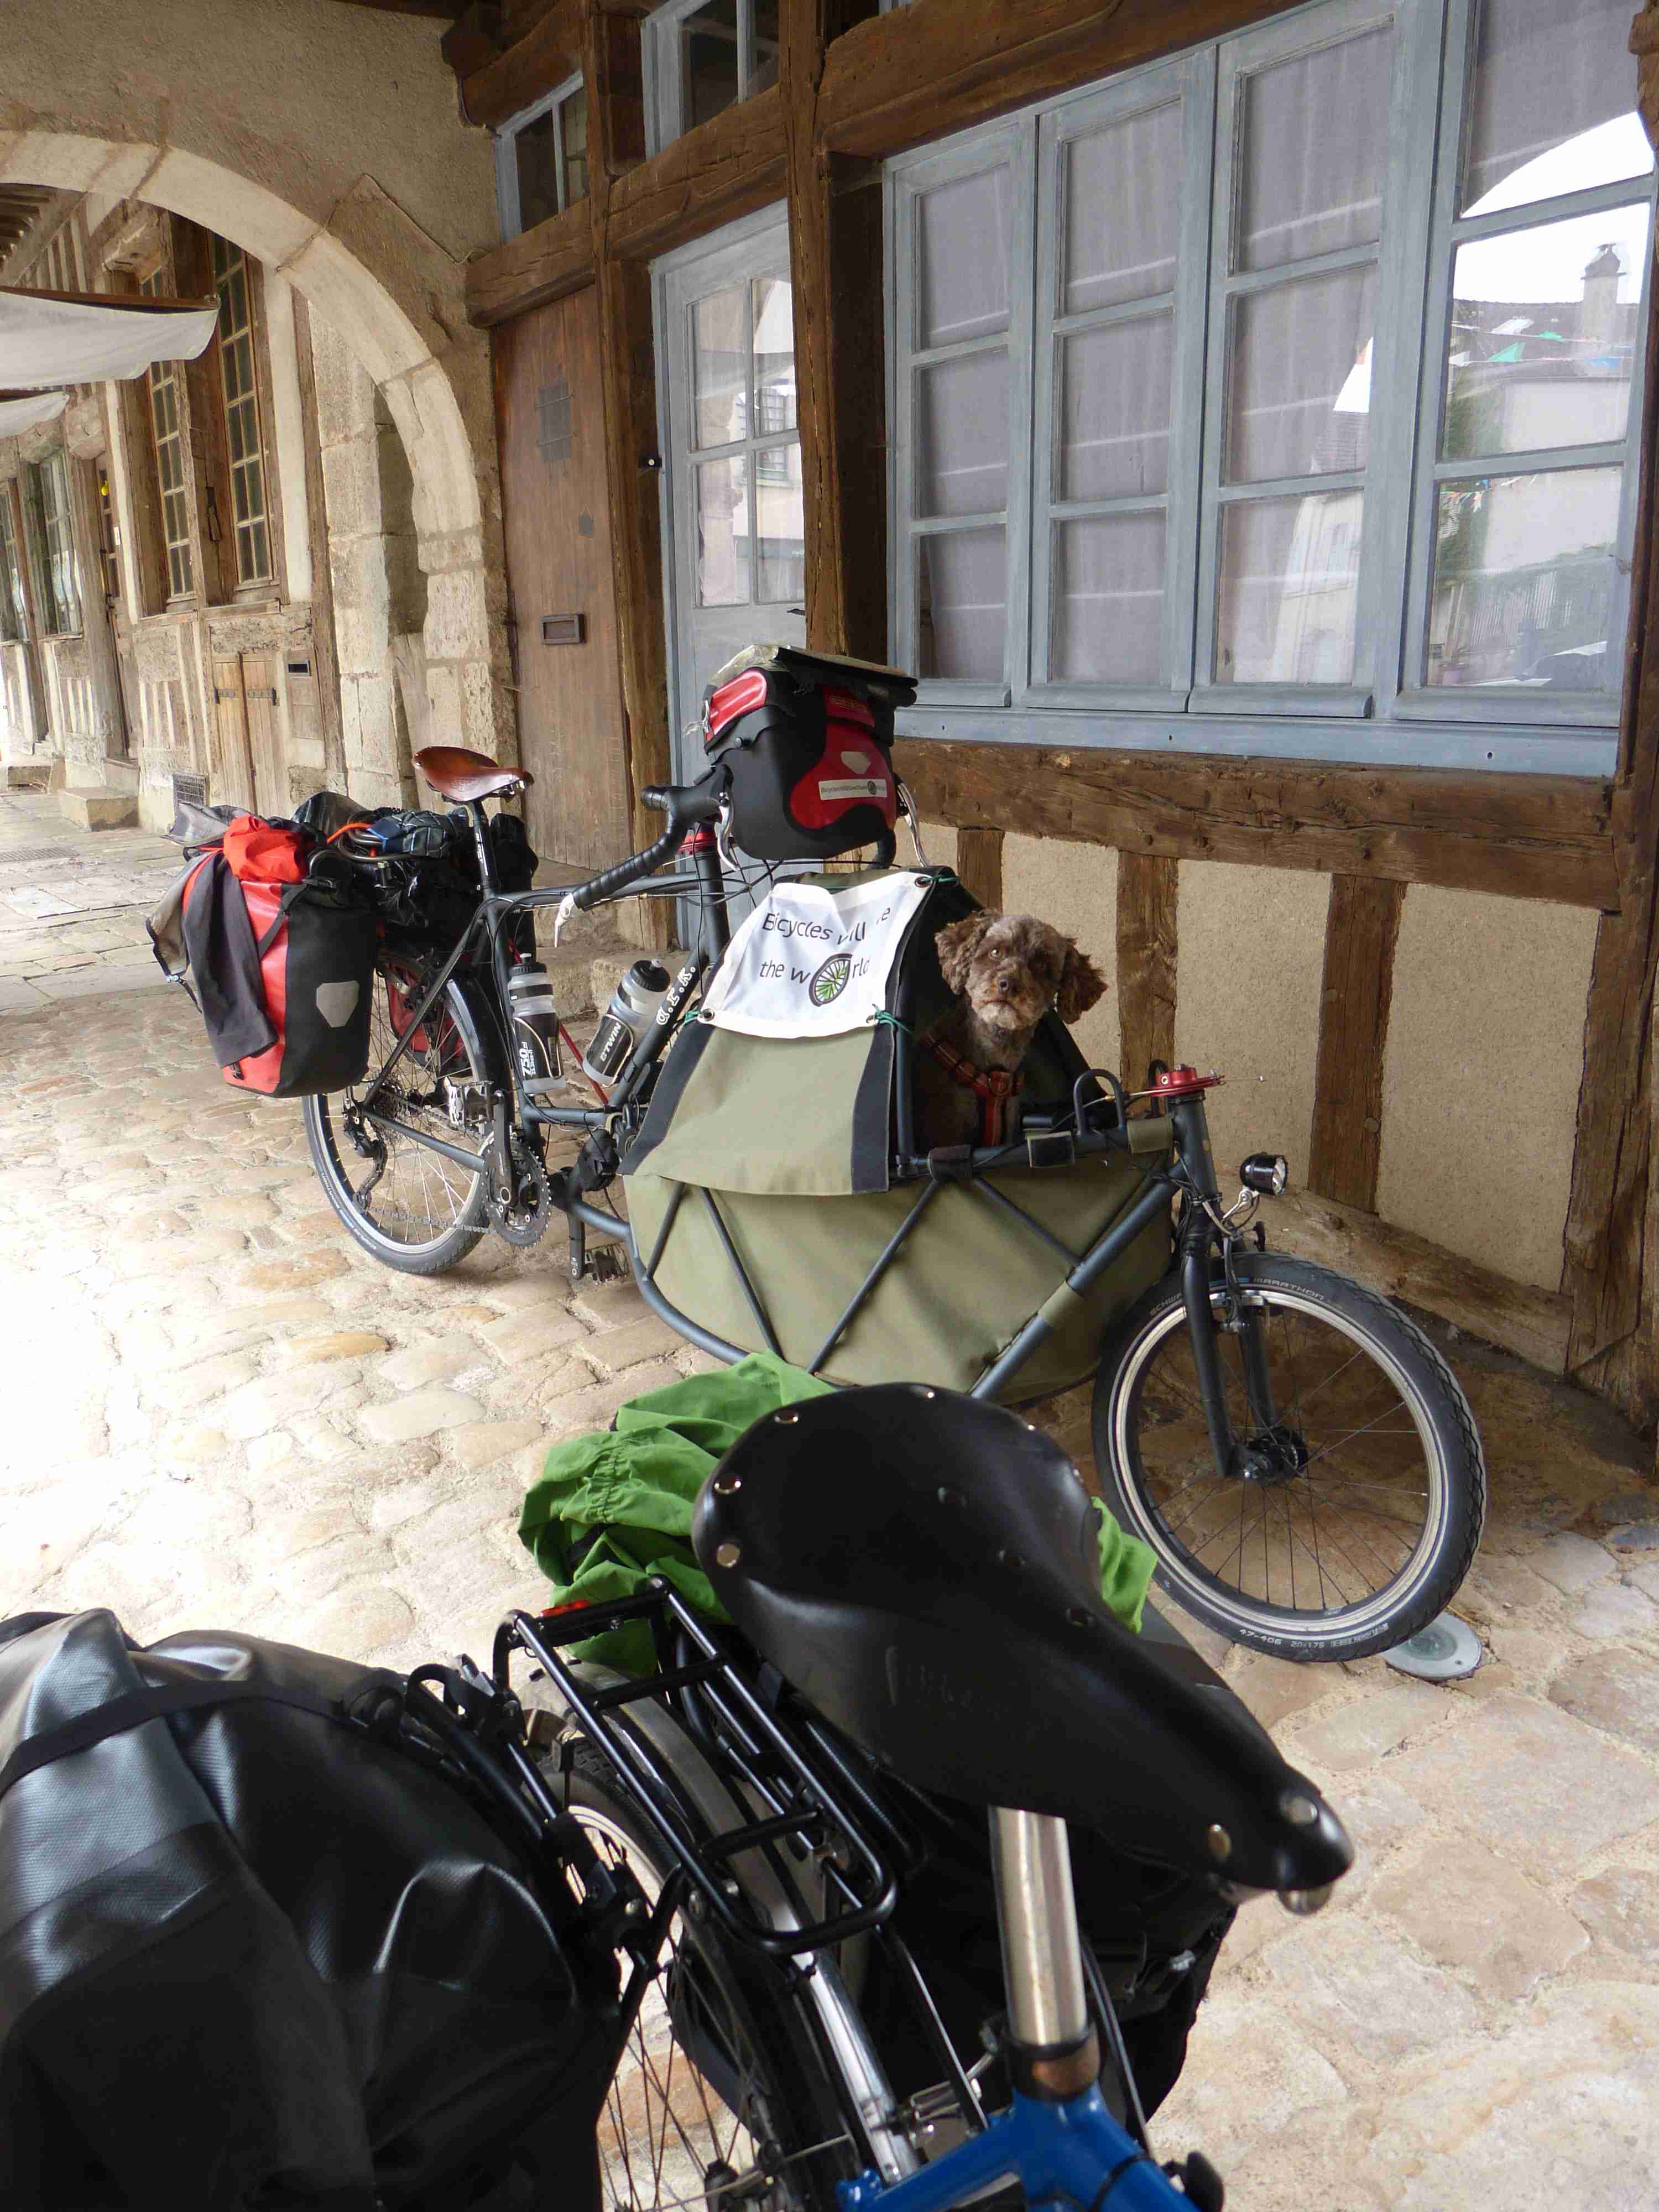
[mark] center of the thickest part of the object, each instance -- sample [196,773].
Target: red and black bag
[808,741]
[281,958]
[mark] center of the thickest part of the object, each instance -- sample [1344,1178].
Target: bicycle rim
[403,1193]
[691,2116]
[1336,1549]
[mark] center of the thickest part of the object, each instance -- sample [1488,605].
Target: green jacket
[614,1508]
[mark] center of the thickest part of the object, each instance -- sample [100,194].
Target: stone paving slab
[220,1413]
[72,904]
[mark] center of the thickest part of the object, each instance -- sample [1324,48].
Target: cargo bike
[1291,1446]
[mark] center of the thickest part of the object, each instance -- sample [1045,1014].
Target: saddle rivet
[1220,1843]
[950,1498]
[1011,1562]
[727,1485]
[786,1417]
[925,1390]
[727,1555]
[1301,1812]
[1078,1618]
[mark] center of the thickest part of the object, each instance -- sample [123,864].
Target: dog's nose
[1006,987]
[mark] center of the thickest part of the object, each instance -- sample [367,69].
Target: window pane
[719,347]
[775,355]
[1544,328]
[1108,600]
[780,524]
[1112,420]
[572,125]
[962,435]
[763,61]
[1523,581]
[711,60]
[962,603]
[1298,378]
[1122,211]
[1314,153]
[723,533]
[1552,102]
[535,149]
[961,259]
[1289,573]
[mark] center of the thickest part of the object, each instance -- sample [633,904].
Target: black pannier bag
[807,739]
[255,1954]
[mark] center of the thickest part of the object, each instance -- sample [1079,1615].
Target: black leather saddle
[924,1568]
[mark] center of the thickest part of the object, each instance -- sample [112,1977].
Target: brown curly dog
[1006,970]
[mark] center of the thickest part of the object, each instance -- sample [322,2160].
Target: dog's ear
[957,946]
[1081,984]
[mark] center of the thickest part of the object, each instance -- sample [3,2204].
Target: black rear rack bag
[253,1954]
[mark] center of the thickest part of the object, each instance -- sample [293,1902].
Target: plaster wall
[1249,975]
[1074,887]
[1480,1081]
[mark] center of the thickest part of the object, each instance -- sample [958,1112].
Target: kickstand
[578,1249]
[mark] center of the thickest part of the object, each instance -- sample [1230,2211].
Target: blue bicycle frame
[1059,2139]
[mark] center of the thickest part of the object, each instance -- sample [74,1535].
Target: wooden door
[270,794]
[232,780]
[549,421]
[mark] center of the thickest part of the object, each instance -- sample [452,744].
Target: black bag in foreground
[254,1955]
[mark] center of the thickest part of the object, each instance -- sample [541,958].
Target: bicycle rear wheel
[412,1207]
[1361,1507]
[719,2097]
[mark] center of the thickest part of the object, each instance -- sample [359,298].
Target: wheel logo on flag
[830,980]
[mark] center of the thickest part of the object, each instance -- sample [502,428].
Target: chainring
[522,1221]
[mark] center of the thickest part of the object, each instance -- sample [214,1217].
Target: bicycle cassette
[522,1220]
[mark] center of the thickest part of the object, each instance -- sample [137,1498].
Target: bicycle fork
[1197,1237]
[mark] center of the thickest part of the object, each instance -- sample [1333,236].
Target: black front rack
[798,1801]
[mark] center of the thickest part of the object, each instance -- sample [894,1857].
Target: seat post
[1054,2054]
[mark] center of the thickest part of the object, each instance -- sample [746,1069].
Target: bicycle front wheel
[1343,1527]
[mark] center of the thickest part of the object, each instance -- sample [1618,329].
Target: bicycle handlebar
[686,805]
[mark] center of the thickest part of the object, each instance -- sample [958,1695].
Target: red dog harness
[994,1087]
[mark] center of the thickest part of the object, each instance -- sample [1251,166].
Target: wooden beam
[835,256]
[1362,926]
[978,864]
[325,639]
[1520,836]
[475,39]
[1147,889]
[616,114]
[1530,1322]
[548,53]
[728,167]
[542,264]
[1611,1243]
[939,65]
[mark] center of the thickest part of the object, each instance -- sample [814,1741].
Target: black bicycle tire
[1434,1582]
[784,2037]
[443,1252]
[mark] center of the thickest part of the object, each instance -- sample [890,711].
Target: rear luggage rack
[818,1821]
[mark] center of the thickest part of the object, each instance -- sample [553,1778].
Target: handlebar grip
[626,871]
[659,797]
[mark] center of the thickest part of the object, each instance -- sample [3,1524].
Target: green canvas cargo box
[783,1161]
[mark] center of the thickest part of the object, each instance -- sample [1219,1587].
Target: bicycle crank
[521,1216]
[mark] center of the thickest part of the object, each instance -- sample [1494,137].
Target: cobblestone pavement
[72,905]
[218,1411]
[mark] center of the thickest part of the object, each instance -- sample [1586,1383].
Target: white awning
[28,410]
[49,338]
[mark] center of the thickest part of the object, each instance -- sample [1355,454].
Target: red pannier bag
[281,959]
[807,739]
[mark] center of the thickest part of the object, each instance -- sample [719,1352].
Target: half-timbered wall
[1430,986]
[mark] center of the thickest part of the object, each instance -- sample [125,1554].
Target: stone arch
[397,299]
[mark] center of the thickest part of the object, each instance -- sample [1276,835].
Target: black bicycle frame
[1192,1179]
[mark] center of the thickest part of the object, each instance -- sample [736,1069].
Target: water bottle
[632,1008]
[534,1029]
